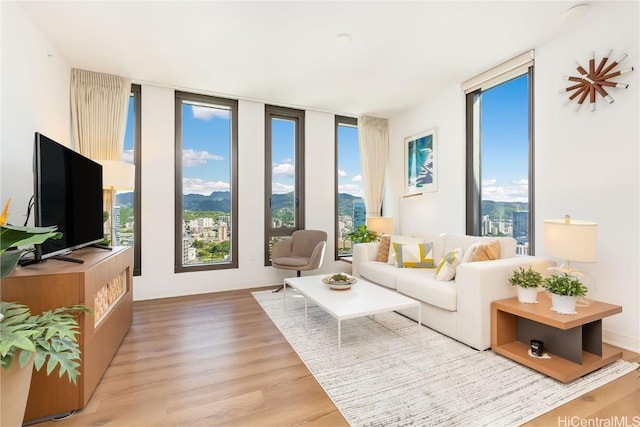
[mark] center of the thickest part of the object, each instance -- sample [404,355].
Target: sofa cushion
[414,255]
[383,249]
[422,285]
[447,268]
[380,273]
[469,252]
[486,252]
[453,241]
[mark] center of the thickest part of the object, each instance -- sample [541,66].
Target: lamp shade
[570,239]
[380,224]
[117,175]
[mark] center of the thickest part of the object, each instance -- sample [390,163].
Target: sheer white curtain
[373,137]
[99,104]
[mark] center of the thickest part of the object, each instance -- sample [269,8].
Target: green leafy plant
[564,284]
[362,235]
[525,278]
[51,336]
[12,236]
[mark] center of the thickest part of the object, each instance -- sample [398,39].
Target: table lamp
[116,175]
[571,240]
[380,224]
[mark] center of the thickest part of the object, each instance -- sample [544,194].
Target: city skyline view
[504,137]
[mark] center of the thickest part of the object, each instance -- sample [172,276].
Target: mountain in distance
[221,201]
[345,203]
[216,201]
[502,210]
[124,200]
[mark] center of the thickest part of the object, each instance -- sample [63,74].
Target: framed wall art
[421,162]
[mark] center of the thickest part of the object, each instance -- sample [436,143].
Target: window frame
[178,188]
[473,154]
[349,121]
[136,92]
[297,116]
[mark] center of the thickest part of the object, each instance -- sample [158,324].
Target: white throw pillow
[447,268]
[469,252]
[414,255]
[403,240]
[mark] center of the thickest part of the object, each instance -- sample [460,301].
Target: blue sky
[504,134]
[206,152]
[504,139]
[349,177]
[127,155]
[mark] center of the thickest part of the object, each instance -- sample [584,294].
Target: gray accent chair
[304,251]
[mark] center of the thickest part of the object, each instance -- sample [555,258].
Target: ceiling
[289,53]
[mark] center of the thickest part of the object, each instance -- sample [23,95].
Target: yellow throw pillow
[383,249]
[447,268]
[414,255]
[486,252]
[403,240]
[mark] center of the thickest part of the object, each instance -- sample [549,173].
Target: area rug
[388,374]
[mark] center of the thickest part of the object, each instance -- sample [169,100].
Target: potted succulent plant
[527,282]
[565,290]
[27,340]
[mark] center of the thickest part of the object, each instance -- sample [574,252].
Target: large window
[350,210]
[206,234]
[126,212]
[284,174]
[500,160]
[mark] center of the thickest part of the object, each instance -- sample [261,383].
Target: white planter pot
[527,295]
[563,304]
[15,384]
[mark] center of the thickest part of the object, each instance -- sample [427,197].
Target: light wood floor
[217,360]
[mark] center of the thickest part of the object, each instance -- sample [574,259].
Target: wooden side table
[574,342]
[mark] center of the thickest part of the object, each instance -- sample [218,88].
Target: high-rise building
[359,213]
[186,243]
[521,226]
[486,226]
[116,225]
[222,232]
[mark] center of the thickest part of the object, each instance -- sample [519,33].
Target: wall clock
[593,82]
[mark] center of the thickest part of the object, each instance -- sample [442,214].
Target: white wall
[35,97]
[586,163]
[439,210]
[158,279]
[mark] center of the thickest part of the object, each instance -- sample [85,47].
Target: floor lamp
[116,175]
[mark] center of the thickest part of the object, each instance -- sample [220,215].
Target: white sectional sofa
[460,308]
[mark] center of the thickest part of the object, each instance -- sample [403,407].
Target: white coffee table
[363,299]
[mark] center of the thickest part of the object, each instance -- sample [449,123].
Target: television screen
[68,194]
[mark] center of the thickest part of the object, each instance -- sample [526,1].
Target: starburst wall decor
[593,82]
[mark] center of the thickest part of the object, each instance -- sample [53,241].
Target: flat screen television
[67,194]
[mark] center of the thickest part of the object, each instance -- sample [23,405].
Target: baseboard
[620,340]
